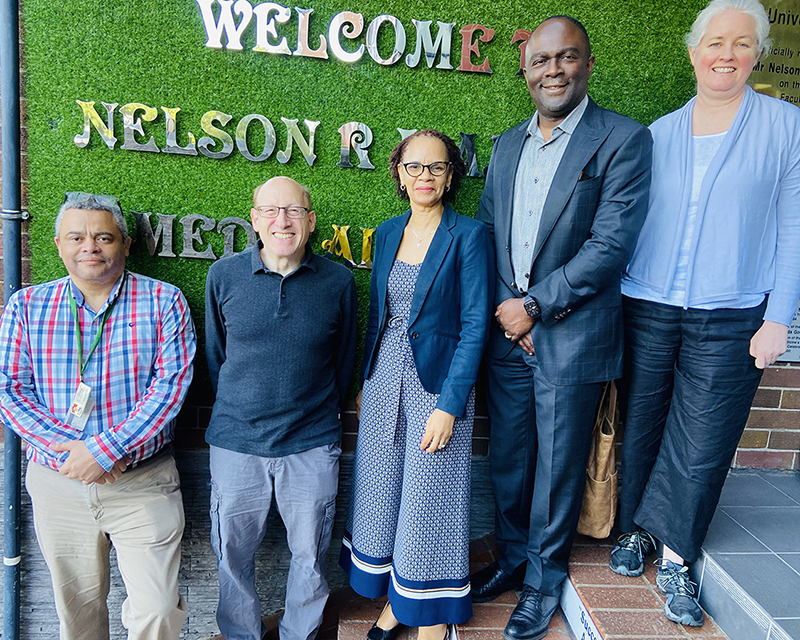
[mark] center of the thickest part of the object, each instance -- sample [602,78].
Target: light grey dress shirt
[535,173]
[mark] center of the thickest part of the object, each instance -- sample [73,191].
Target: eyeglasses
[271,211]
[92,199]
[415,169]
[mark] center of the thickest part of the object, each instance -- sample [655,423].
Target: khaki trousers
[141,514]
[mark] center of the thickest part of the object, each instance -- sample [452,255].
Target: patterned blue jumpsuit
[408,528]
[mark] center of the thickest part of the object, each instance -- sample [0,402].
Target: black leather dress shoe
[488,583]
[531,616]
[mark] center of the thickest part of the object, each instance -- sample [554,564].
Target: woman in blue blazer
[430,303]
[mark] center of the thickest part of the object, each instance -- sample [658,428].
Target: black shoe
[627,558]
[492,581]
[531,616]
[376,633]
[682,605]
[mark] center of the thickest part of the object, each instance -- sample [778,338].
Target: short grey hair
[93,202]
[303,187]
[752,8]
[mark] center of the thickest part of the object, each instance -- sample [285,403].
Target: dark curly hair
[457,164]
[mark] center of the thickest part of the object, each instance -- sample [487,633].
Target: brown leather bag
[600,499]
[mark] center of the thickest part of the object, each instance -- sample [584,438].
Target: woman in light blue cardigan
[710,291]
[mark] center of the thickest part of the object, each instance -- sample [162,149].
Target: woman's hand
[768,343]
[358,405]
[438,431]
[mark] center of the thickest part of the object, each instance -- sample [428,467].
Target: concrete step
[749,572]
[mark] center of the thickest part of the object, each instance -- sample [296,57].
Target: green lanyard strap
[74,308]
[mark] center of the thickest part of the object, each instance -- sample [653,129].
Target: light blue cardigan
[747,233]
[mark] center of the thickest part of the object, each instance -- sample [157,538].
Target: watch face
[532,309]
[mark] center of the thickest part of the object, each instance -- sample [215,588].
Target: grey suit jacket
[591,219]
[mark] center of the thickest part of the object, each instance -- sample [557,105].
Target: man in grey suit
[566,195]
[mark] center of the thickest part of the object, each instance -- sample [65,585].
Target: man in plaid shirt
[93,369]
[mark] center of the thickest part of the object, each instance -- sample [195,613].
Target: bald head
[280,182]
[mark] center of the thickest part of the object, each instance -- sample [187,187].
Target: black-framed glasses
[272,211]
[415,169]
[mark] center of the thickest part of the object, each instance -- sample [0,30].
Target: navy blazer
[449,320]
[590,223]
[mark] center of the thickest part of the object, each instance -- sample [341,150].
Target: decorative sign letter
[269,137]
[265,27]
[339,22]
[303,18]
[131,126]
[206,124]
[399,39]
[359,136]
[293,133]
[233,34]
[468,47]
[443,42]
[91,119]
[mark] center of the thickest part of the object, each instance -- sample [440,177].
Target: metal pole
[12,276]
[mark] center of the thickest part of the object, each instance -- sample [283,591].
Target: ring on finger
[508,335]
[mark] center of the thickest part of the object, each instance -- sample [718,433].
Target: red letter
[468,47]
[521,36]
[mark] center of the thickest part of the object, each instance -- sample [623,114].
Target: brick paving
[623,607]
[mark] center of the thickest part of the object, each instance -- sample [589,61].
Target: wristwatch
[532,307]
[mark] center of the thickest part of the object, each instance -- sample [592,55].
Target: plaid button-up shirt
[139,373]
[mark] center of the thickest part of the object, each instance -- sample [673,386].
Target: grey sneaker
[627,558]
[682,606]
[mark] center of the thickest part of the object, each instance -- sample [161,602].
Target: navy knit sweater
[280,352]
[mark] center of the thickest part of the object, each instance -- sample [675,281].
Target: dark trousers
[539,443]
[689,383]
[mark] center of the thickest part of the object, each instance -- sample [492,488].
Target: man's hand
[80,464]
[114,474]
[515,321]
[526,342]
[768,343]
[438,431]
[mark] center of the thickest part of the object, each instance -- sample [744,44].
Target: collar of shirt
[567,125]
[258,265]
[80,300]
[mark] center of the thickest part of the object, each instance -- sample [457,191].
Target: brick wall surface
[771,439]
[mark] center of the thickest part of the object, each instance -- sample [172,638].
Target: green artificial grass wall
[153,52]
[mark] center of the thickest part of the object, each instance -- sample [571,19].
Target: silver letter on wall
[204,144]
[241,137]
[358,136]
[399,39]
[443,42]
[163,231]
[91,119]
[214,29]
[172,127]
[265,28]
[227,226]
[303,19]
[293,133]
[339,23]
[130,127]
[192,236]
